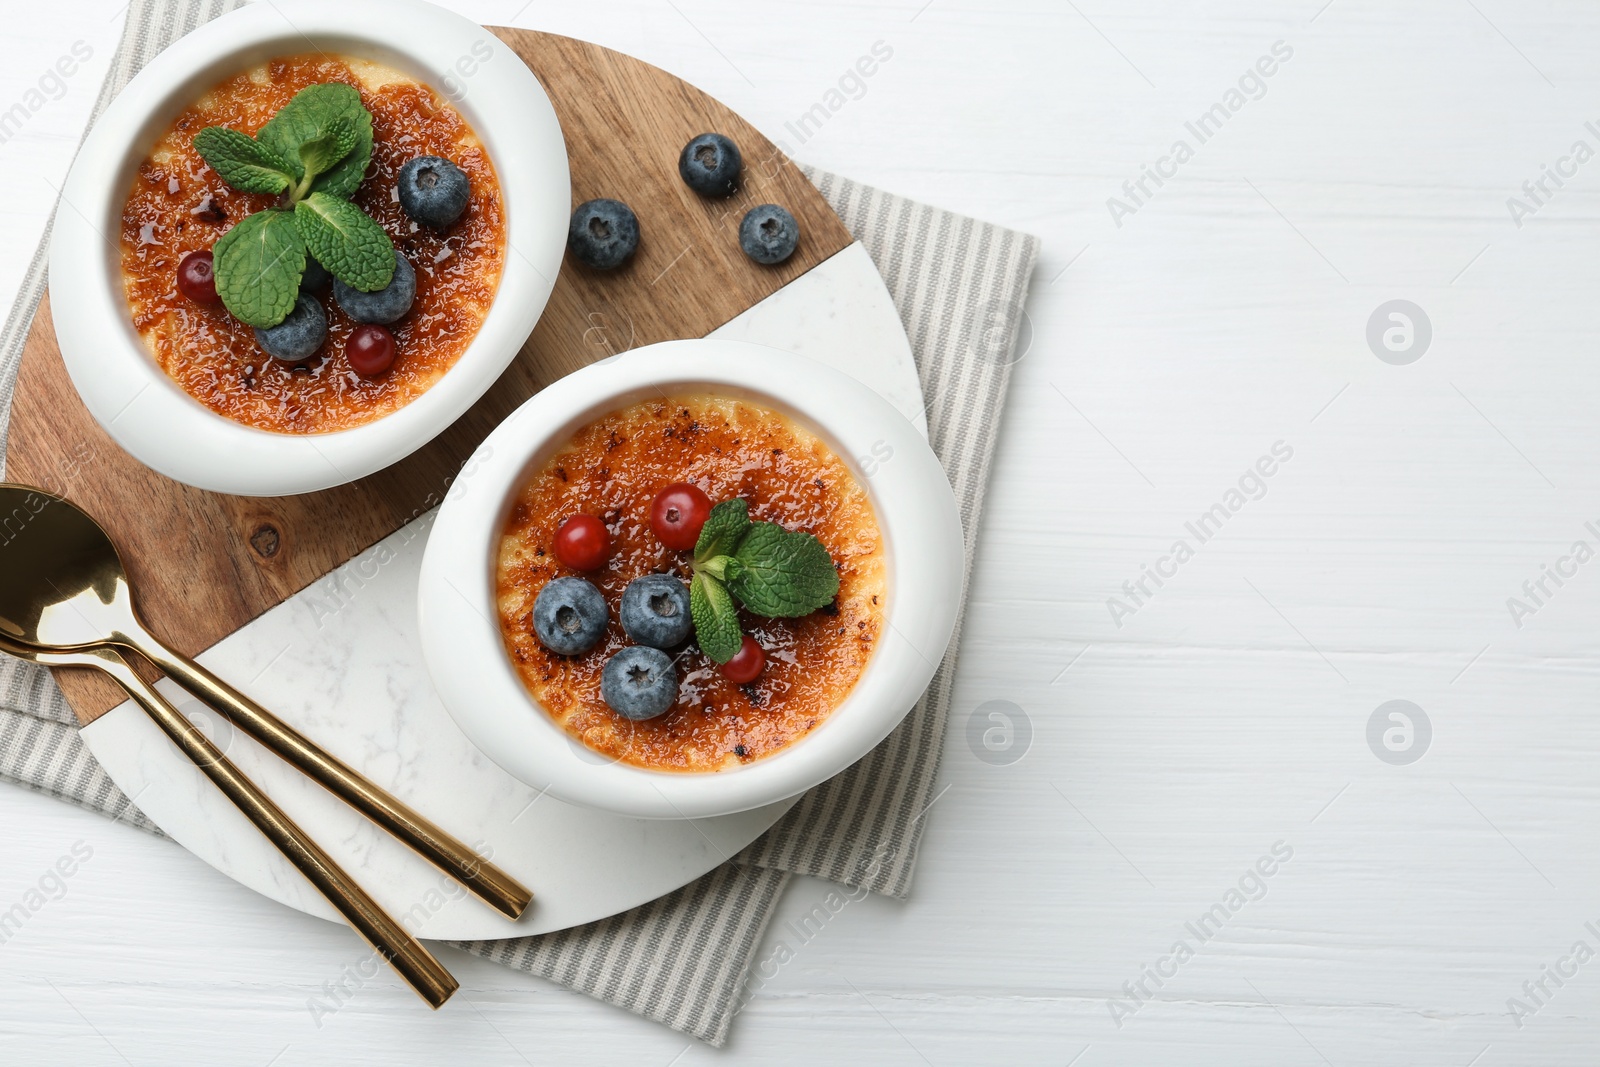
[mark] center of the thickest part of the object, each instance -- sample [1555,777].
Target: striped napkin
[681,960]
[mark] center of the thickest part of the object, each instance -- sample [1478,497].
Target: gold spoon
[404,953]
[63,587]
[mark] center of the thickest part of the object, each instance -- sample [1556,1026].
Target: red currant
[678,513]
[582,543]
[195,278]
[370,350]
[746,664]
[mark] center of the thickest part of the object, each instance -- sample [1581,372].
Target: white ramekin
[146,412]
[916,512]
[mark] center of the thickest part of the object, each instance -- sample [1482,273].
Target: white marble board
[340,660]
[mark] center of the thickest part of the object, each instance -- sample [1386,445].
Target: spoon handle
[485,880]
[404,953]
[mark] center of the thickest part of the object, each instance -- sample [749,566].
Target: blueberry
[639,682]
[315,278]
[710,165]
[655,611]
[569,616]
[603,233]
[297,338]
[385,305]
[768,234]
[433,191]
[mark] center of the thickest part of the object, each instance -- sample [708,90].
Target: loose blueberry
[710,165]
[603,233]
[639,682]
[433,191]
[387,304]
[655,611]
[769,234]
[569,616]
[297,338]
[315,277]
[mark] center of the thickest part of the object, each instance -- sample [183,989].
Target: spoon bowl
[62,583]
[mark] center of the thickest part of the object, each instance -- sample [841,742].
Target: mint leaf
[310,116]
[258,264]
[320,144]
[344,239]
[345,177]
[720,535]
[319,155]
[716,620]
[781,573]
[242,162]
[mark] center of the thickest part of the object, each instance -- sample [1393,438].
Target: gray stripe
[718,954]
[50,758]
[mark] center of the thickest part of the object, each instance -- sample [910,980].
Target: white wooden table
[1228,714]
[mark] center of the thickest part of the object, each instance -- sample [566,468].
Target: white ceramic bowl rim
[916,513]
[150,415]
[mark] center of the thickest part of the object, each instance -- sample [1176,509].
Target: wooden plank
[204,564]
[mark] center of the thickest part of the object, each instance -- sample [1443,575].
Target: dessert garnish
[313,154]
[774,572]
[603,233]
[710,165]
[769,234]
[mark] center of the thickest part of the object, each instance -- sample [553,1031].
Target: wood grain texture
[204,564]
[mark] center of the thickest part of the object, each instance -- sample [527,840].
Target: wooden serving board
[205,564]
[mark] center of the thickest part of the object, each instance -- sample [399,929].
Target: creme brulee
[612,469]
[179,205]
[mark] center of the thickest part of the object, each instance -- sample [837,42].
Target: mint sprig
[772,571]
[314,152]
